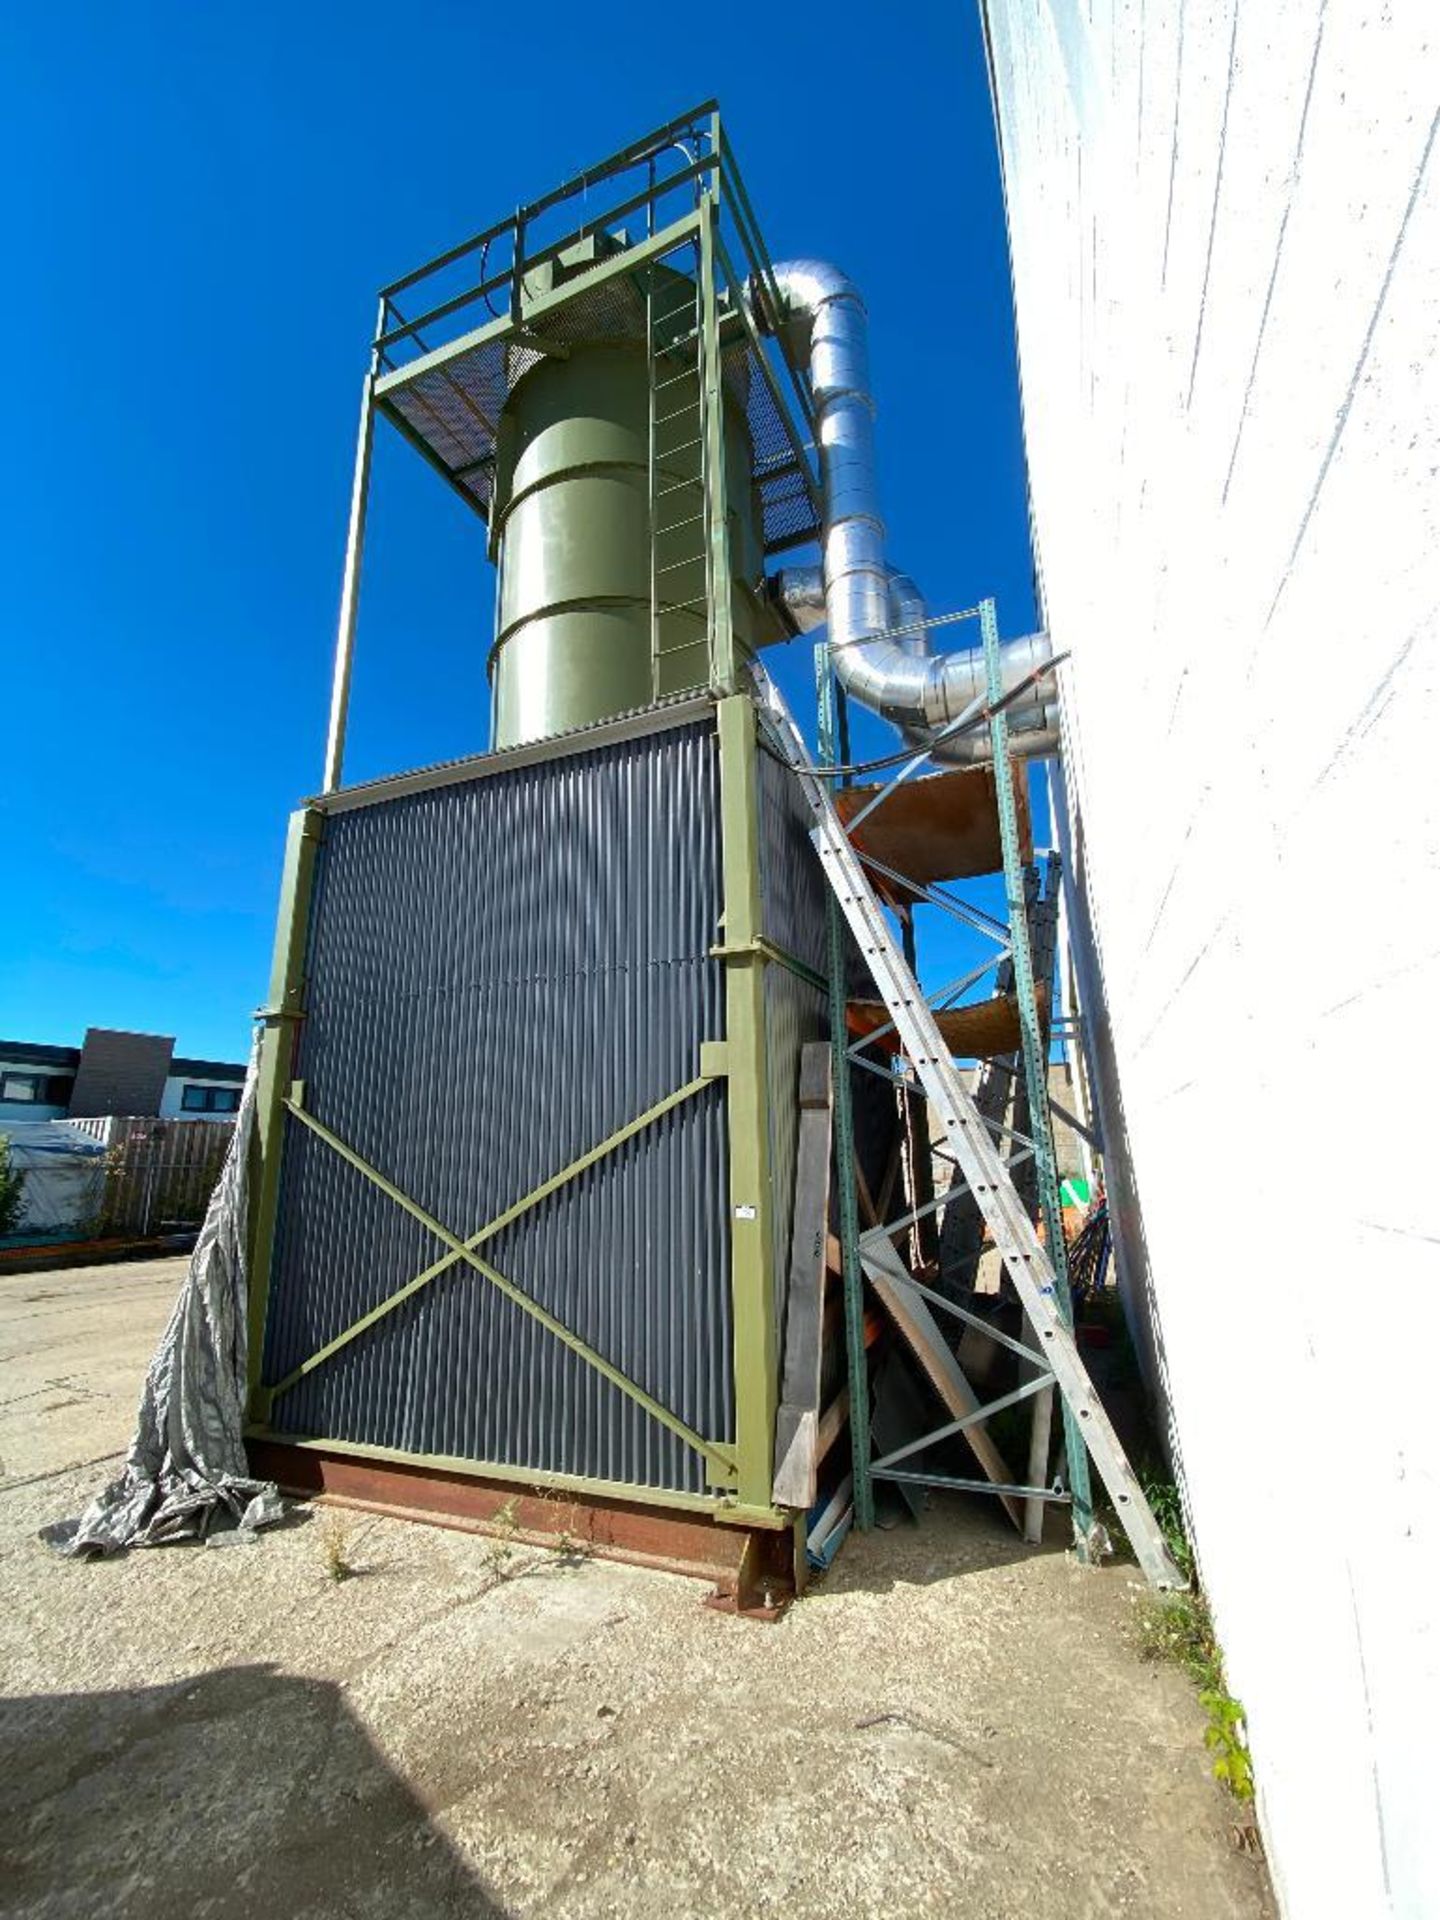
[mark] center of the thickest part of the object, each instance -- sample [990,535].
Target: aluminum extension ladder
[968,1139]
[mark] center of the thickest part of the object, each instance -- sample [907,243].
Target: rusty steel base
[755,1568]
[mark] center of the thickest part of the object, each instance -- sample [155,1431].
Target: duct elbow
[875,614]
[804,287]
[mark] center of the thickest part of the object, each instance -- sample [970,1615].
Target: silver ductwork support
[856,593]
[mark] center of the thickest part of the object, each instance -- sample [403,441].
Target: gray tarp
[64,1173]
[186,1468]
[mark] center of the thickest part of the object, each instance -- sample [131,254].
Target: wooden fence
[159,1174]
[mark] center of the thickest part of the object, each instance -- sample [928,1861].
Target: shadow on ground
[954,1534]
[234,1792]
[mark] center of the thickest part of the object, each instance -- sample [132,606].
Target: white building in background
[114,1073]
[1225,235]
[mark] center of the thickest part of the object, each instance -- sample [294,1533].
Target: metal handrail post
[350,578]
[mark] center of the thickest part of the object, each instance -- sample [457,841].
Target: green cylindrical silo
[572,526]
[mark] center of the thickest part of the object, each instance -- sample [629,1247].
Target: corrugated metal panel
[792,894]
[792,886]
[794,1013]
[794,898]
[503,971]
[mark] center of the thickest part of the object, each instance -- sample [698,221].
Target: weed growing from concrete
[1164,1498]
[569,1544]
[1177,1627]
[340,1535]
[499,1550]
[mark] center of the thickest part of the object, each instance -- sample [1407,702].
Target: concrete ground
[951,1723]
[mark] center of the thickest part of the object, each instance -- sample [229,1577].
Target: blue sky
[202,202]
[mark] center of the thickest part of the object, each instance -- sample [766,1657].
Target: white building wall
[25,1112]
[1225,228]
[171,1107]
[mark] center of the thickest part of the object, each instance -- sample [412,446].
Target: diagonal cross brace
[719,1461]
[1040,1384]
[488,1232]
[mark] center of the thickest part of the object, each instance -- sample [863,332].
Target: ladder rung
[687,373]
[680,413]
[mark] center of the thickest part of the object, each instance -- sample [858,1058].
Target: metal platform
[942,827]
[973,1032]
[576,266]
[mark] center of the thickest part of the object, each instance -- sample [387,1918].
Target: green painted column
[1007,772]
[834,745]
[282,1013]
[752,1252]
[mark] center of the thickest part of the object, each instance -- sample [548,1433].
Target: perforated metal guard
[788,515]
[453,410]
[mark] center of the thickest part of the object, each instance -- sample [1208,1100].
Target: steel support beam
[852,1277]
[752,1243]
[1027,1261]
[1037,1078]
[350,582]
[755,1560]
[280,1018]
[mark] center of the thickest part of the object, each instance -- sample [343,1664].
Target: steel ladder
[968,1139]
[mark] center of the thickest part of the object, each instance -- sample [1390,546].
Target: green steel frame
[700,210]
[752,1200]
[278,1020]
[693,207]
[1037,1076]
[718,1458]
[682,185]
[1015,945]
[462,1251]
[739,1470]
[832,733]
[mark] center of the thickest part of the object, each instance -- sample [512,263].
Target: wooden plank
[972,1032]
[797,1418]
[832,1424]
[1039,1456]
[862,1194]
[917,1326]
[942,826]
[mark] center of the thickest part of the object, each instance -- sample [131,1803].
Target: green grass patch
[1178,1629]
